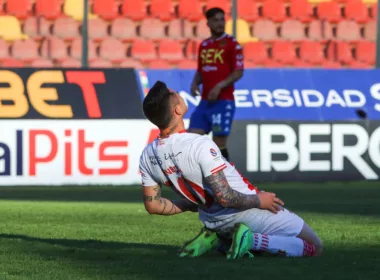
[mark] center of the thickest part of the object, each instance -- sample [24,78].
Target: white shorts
[284,223]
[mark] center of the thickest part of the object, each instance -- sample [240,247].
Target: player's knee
[318,247]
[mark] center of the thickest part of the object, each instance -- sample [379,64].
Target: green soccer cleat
[242,241]
[203,243]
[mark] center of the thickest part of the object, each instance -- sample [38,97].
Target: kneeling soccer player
[229,206]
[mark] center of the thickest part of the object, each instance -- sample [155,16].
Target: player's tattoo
[228,197]
[147,198]
[165,203]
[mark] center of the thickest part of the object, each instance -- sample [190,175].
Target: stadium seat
[113,50]
[97,29]
[191,49]
[135,9]
[248,10]
[131,63]
[11,62]
[1,7]
[100,63]
[223,4]
[106,9]
[176,29]
[75,9]
[190,10]
[54,48]
[320,31]
[159,64]
[144,51]
[170,51]
[256,52]
[370,30]
[340,52]
[360,65]
[66,28]
[311,52]
[301,10]
[71,63]
[49,9]
[123,29]
[187,64]
[25,50]
[292,30]
[329,64]
[19,8]
[161,9]
[329,11]
[348,30]
[42,63]
[274,10]
[357,11]
[302,64]
[152,28]
[242,30]
[366,52]
[373,10]
[4,50]
[270,63]
[283,52]
[36,27]
[202,30]
[265,30]
[76,49]
[10,29]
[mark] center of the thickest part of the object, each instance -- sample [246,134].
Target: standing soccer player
[220,65]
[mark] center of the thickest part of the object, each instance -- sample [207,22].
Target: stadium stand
[167,33]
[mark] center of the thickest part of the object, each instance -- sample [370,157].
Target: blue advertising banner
[288,94]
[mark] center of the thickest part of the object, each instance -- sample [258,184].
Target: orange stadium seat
[283,52]
[223,4]
[187,64]
[370,30]
[97,29]
[19,8]
[113,50]
[302,64]
[247,10]
[357,11]
[176,29]
[106,9]
[54,48]
[274,10]
[329,64]
[340,52]
[1,7]
[76,49]
[49,9]
[71,63]
[202,30]
[359,65]
[320,31]
[66,28]
[256,52]
[270,63]
[4,50]
[301,10]
[131,63]
[265,29]
[42,63]
[26,50]
[159,64]
[366,52]
[311,52]
[10,29]
[191,49]
[11,62]
[348,30]
[123,29]
[329,11]
[170,50]
[75,9]
[161,9]
[152,28]
[100,63]
[292,30]
[373,11]
[134,9]
[36,27]
[144,51]
[190,10]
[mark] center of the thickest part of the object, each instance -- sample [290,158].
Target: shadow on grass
[118,260]
[353,198]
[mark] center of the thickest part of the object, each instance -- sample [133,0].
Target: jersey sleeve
[199,60]
[146,178]
[237,56]
[209,157]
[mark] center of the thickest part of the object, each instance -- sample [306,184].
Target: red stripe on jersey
[185,191]
[219,168]
[185,184]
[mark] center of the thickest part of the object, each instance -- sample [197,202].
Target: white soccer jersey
[186,159]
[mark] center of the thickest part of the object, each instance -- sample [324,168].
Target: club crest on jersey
[223,43]
[213,152]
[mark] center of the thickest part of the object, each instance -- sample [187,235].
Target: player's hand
[194,89]
[270,202]
[214,93]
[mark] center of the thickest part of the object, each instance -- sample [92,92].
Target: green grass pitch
[104,233]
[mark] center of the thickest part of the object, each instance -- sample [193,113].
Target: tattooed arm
[229,198]
[155,204]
